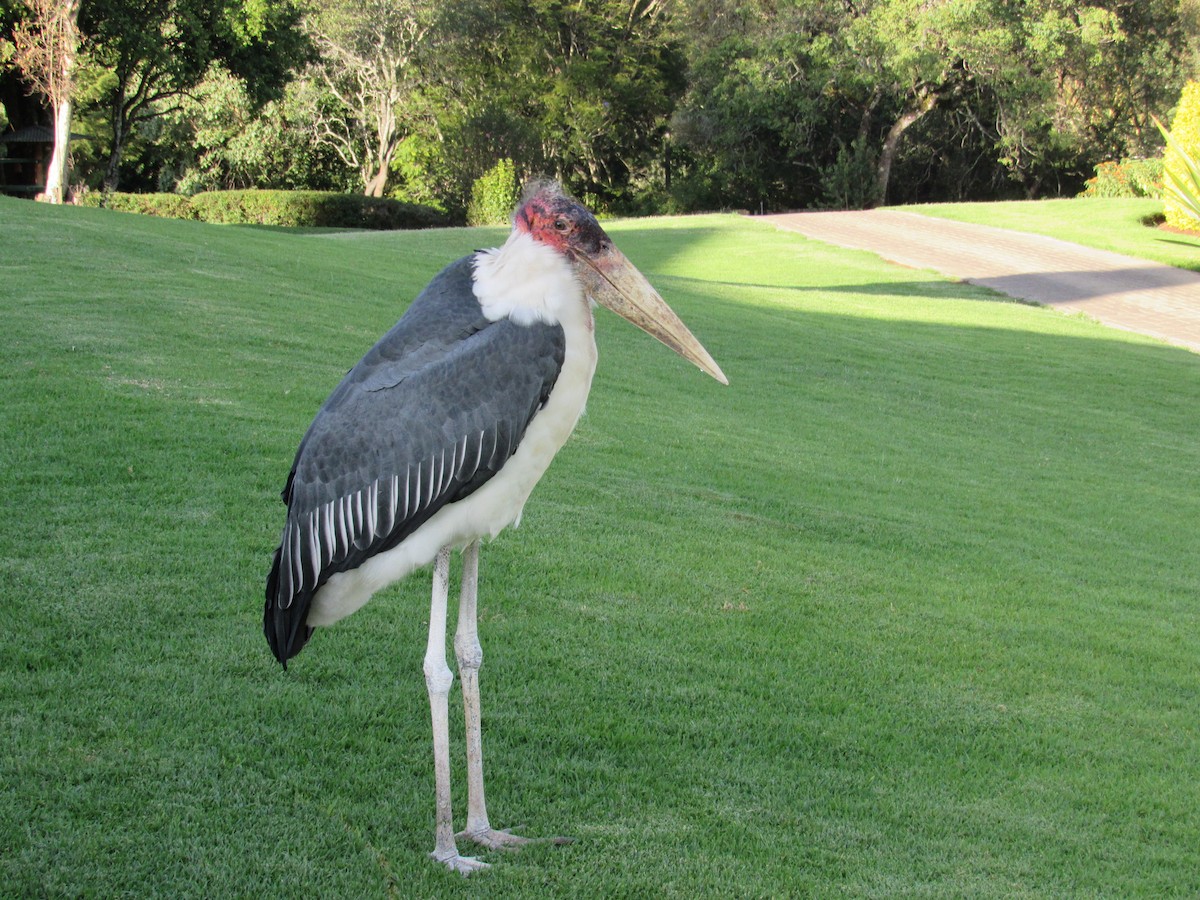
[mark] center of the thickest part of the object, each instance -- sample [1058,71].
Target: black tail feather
[285,627]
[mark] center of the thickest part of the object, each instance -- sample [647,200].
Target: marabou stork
[435,440]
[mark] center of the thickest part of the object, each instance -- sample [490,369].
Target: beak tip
[709,366]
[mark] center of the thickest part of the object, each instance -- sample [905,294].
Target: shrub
[170,206]
[256,207]
[494,195]
[849,182]
[1127,178]
[1184,143]
[296,209]
[314,209]
[1183,183]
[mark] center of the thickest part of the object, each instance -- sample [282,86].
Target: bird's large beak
[613,281]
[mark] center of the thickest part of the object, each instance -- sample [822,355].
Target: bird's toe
[493,839]
[504,839]
[463,865]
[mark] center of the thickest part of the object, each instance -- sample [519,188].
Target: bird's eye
[562,225]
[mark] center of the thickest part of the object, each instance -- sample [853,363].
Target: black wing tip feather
[285,629]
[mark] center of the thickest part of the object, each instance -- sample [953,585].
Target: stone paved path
[1119,291]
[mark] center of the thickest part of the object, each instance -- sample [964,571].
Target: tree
[220,140]
[912,53]
[155,51]
[769,110]
[46,46]
[788,103]
[368,64]
[581,91]
[1080,84]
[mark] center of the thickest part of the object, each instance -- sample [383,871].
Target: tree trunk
[925,102]
[45,48]
[56,175]
[378,181]
[112,173]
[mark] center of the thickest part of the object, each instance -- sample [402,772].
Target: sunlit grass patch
[1128,226]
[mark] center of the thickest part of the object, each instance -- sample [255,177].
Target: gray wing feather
[427,417]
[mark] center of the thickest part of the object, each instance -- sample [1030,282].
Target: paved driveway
[1119,291]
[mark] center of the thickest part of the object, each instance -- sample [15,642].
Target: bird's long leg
[438,679]
[470,658]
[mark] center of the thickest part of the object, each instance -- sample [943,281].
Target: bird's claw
[463,865]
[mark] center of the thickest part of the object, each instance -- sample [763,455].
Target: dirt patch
[1184,232]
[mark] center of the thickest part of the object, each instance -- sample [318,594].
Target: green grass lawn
[1117,225]
[911,608]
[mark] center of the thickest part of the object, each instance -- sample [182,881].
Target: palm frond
[1183,187]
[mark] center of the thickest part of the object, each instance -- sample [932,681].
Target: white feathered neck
[527,282]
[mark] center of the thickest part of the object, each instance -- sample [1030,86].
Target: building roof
[33,134]
[30,134]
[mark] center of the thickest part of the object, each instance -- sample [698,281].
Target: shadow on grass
[1195,245]
[924,290]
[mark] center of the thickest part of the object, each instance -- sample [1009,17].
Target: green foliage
[170,206]
[1007,97]
[221,148]
[757,93]
[494,195]
[157,53]
[1183,180]
[1075,91]
[1127,178]
[312,209]
[849,182]
[295,209]
[1182,197]
[579,91]
[644,105]
[418,170]
[473,139]
[368,73]
[226,143]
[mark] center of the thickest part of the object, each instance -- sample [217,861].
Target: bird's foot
[504,839]
[492,839]
[463,865]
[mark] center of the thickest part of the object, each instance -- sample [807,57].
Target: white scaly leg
[438,679]
[470,658]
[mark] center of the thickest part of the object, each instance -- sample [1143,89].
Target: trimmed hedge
[169,206]
[293,209]
[1185,128]
[312,209]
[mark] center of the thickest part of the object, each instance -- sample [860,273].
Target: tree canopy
[637,104]
[150,55]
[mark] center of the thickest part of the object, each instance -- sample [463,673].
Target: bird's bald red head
[552,217]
